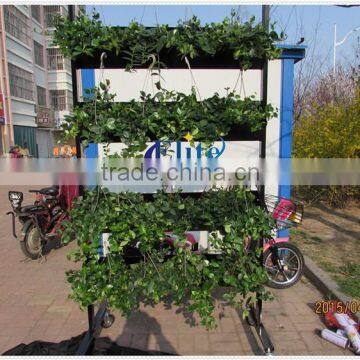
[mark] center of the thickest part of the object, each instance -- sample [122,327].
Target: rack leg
[268,346]
[102,319]
[256,314]
[256,318]
[90,311]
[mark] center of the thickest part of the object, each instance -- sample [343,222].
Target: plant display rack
[274,84]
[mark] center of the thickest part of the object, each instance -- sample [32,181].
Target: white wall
[128,85]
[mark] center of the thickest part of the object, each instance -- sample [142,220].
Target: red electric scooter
[40,221]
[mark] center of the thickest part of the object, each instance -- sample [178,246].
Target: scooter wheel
[108,320]
[32,244]
[292,262]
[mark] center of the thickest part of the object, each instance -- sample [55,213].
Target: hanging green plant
[166,116]
[247,43]
[185,278]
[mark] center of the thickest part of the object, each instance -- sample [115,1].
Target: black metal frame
[95,327]
[256,315]
[96,321]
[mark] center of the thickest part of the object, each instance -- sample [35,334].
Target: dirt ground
[331,237]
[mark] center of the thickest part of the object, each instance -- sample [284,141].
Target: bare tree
[309,70]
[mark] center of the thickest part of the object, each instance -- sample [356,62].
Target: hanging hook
[103,56]
[153,58]
[193,78]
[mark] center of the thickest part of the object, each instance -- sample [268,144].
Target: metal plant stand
[104,319]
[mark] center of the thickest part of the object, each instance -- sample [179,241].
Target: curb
[324,283]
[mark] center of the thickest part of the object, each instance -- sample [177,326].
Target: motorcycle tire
[32,245]
[293,270]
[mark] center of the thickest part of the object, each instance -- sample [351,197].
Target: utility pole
[264,82]
[264,79]
[266,24]
[266,16]
[334,53]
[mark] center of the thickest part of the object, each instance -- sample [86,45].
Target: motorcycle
[40,221]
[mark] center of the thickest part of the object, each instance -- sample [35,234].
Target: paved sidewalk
[34,306]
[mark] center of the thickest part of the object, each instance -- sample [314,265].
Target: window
[21,83]
[50,12]
[41,96]
[39,54]
[61,100]
[55,59]
[35,13]
[17,24]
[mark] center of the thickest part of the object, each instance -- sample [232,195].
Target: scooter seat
[50,191]
[31,208]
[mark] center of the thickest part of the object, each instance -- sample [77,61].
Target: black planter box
[170,57]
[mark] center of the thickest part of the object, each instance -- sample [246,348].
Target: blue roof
[296,52]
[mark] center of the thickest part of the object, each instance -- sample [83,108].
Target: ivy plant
[187,278]
[246,42]
[166,116]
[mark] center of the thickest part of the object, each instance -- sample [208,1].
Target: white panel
[273,127]
[233,149]
[239,158]
[274,98]
[127,86]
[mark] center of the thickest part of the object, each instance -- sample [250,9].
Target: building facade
[36,84]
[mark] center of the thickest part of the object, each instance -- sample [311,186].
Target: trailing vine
[187,278]
[245,42]
[166,116]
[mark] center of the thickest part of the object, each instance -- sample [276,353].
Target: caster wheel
[108,320]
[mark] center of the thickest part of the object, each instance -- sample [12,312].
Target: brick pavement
[34,306]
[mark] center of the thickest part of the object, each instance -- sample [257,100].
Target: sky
[314,23]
